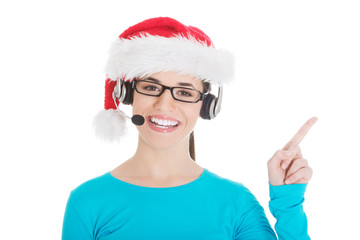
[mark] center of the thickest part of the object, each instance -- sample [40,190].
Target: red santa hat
[158,45]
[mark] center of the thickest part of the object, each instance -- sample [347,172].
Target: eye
[151,88]
[184,93]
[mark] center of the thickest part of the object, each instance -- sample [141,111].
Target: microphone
[137,119]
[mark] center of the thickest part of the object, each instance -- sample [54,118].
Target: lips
[163,124]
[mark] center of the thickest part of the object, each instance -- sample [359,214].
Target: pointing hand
[288,166]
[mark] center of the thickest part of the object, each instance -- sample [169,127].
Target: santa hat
[158,45]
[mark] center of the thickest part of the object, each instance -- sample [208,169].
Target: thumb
[281,159]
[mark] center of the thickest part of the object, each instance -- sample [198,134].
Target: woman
[164,70]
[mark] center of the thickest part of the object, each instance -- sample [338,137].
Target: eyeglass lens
[178,93]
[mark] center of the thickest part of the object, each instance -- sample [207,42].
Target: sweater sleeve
[286,205]
[253,223]
[74,227]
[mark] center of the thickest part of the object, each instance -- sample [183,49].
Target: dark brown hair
[207,88]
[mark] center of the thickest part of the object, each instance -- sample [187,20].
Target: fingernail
[287,181]
[283,166]
[288,153]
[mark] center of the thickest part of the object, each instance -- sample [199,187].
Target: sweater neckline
[138,187]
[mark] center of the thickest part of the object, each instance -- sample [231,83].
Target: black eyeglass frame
[171,90]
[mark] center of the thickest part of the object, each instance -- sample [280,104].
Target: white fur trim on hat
[109,125]
[148,54]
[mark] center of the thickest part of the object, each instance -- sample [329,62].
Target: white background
[294,60]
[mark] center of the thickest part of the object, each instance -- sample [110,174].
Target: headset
[211,106]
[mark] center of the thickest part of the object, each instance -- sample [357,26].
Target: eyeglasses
[150,88]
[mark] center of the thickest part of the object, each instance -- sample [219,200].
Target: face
[168,122]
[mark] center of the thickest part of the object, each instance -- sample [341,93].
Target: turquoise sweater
[208,208]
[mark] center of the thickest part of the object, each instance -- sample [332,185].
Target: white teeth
[164,122]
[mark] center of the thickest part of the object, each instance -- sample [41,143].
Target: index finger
[299,136]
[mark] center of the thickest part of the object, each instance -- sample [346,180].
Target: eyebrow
[184,84]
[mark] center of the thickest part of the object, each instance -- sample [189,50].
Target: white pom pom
[109,125]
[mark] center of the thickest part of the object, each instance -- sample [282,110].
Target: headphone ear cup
[207,106]
[127,93]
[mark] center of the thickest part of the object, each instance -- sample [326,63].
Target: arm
[289,174]
[286,206]
[74,227]
[253,224]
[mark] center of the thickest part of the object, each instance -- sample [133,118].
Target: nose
[165,101]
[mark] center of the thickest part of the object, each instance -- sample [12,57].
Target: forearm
[286,205]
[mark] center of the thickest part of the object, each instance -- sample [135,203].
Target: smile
[163,124]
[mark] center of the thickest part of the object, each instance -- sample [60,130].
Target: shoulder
[92,189]
[227,186]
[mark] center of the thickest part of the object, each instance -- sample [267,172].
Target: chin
[165,134]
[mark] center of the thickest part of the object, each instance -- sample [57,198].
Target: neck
[163,163]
